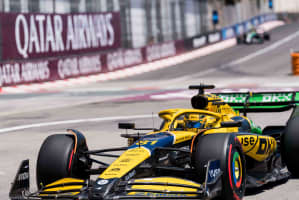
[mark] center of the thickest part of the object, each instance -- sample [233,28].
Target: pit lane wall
[25,50]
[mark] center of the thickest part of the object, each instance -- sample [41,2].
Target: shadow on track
[269,186]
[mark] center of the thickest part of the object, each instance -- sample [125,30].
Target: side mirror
[126,125]
[231,124]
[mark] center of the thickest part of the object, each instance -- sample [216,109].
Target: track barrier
[295,63]
[106,65]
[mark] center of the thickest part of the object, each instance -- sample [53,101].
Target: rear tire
[56,160]
[239,40]
[290,146]
[226,148]
[267,37]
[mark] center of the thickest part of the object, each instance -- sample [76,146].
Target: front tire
[290,146]
[57,159]
[267,37]
[239,40]
[226,148]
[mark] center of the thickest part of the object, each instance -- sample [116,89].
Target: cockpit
[188,121]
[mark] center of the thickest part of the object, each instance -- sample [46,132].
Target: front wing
[144,188]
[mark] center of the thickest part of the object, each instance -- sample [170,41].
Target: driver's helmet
[195,121]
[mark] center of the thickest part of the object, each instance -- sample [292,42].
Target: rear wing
[261,101]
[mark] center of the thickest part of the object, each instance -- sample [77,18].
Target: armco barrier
[295,63]
[59,68]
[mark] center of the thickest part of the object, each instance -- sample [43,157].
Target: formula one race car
[254,36]
[201,153]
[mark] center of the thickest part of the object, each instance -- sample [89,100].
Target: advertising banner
[200,41]
[26,36]
[239,29]
[228,33]
[43,70]
[214,37]
[59,68]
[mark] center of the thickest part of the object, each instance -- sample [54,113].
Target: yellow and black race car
[201,153]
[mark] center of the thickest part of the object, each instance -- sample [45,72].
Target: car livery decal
[257,97]
[136,154]
[256,146]
[150,142]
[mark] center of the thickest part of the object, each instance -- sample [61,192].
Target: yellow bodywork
[175,123]
[128,160]
[258,147]
[164,184]
[58,186]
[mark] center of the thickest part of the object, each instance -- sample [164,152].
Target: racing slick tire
[258,40]
[267,37]
[290,146]
[226,148]
[56,160]
[239,40]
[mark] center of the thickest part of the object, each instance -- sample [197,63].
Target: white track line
[76,121]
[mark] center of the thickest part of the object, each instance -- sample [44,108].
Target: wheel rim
[237,169]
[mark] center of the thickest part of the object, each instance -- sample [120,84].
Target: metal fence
[151,21]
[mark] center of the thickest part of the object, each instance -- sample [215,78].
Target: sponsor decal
[255,22]
[130,175]
[102,182]
[265,146]
[236,98]
[228,33]
[146,142]
[35,71]
[23,176]
[214,37]
[262,19]
[277,97]
[16,73]
[200,41]
[126,160]
[155,52]
[75,66]
[270,17]
[114,169]
[121,58]
[248,25]
[46,70]
[248,141]
[240,98]
[213,171]
[240,29]
[44,35]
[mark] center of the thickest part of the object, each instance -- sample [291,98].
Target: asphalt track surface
[96,116]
